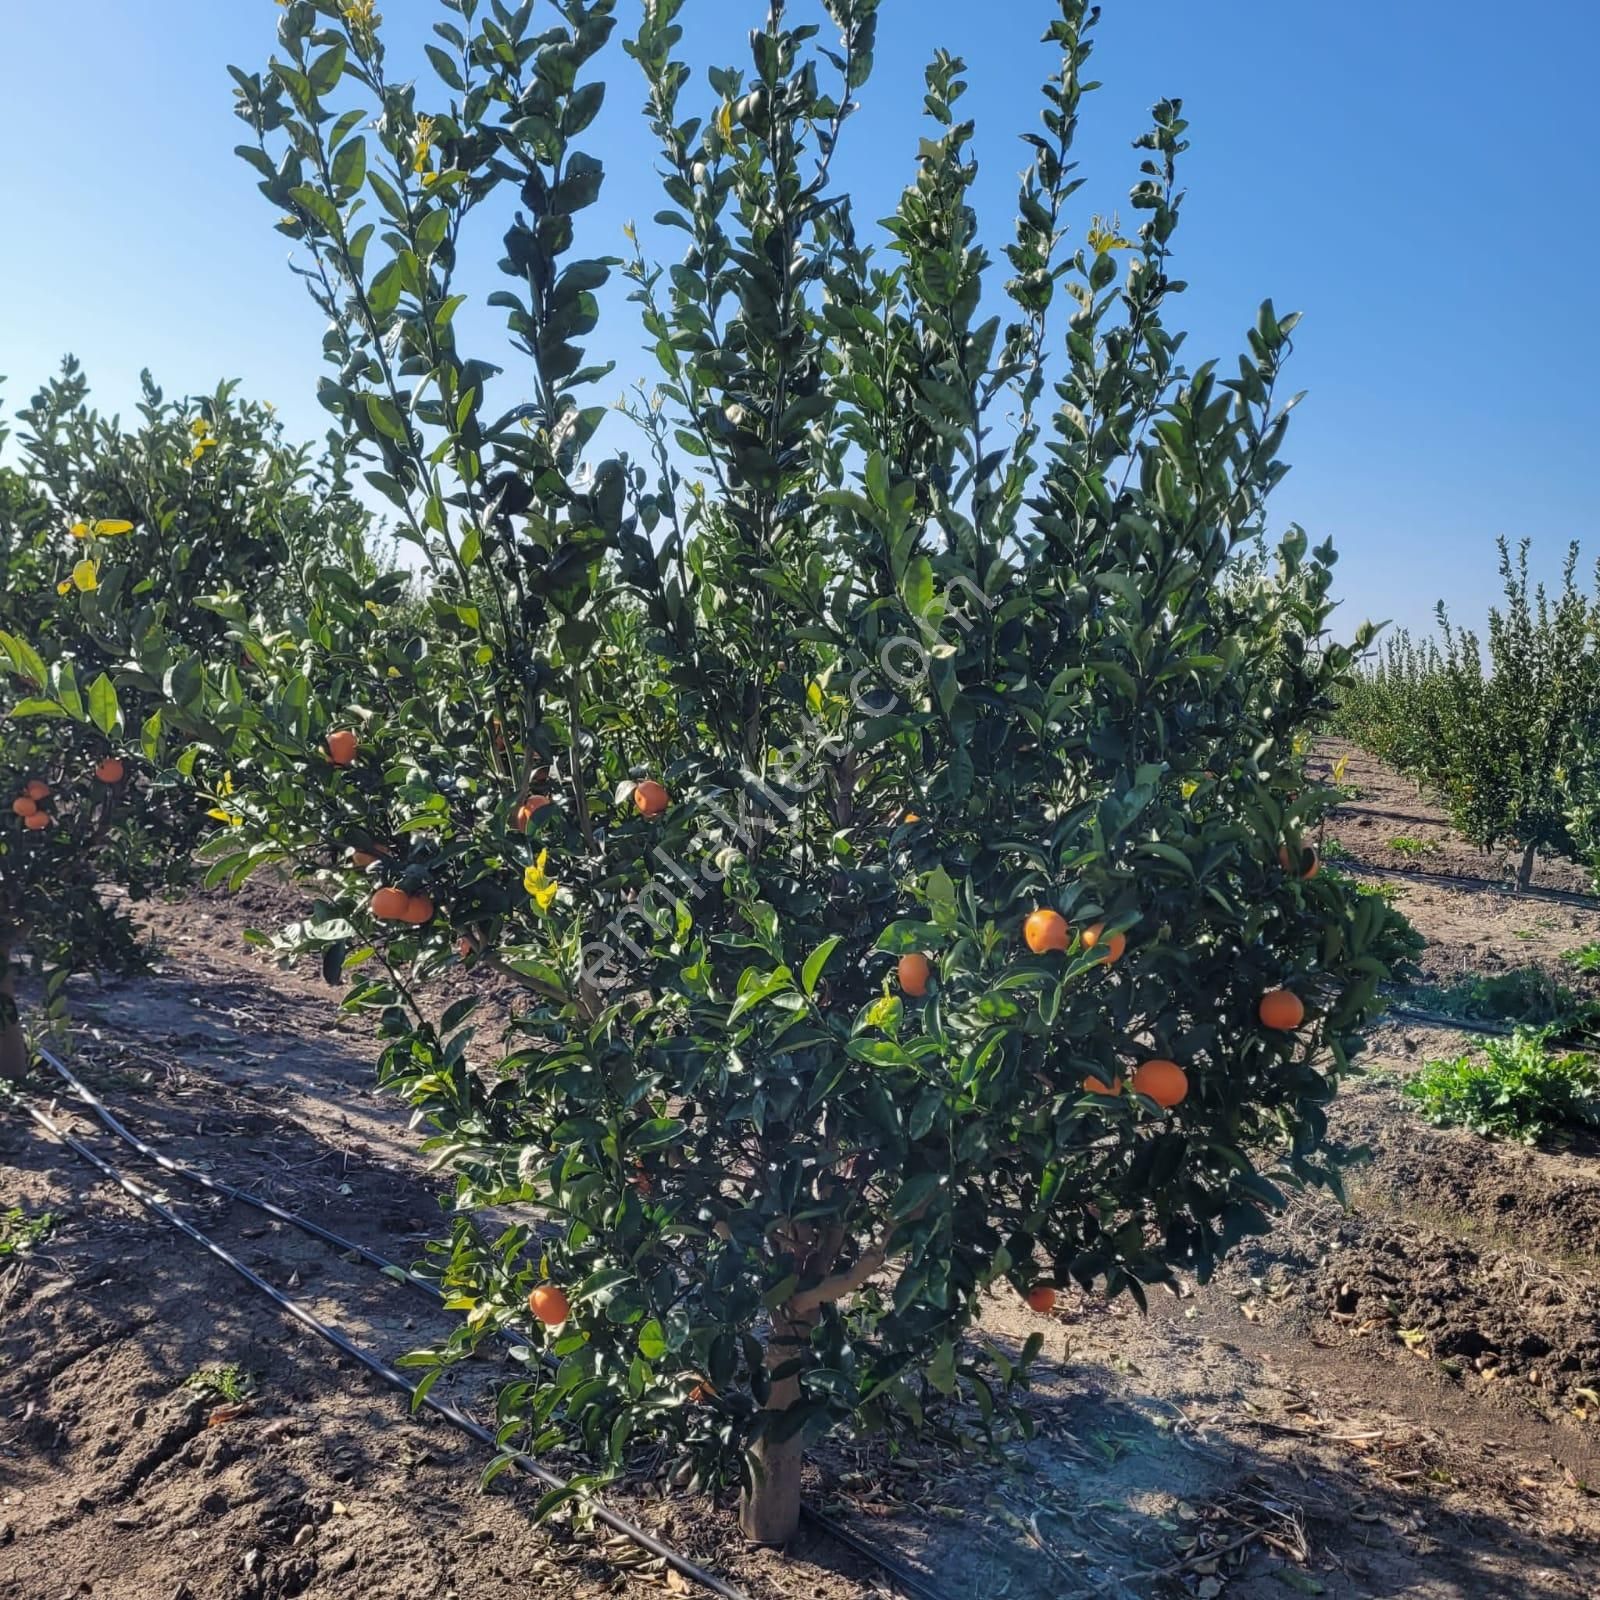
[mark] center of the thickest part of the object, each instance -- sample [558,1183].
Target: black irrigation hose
[1437,1019]
[1456,880]
[903,1575]
[217,1186]
[456,1418]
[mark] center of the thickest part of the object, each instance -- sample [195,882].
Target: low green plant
[19,1232]
[1406,845]
[1586,957]
[1528,995]
[229,1383]
[1517,1089]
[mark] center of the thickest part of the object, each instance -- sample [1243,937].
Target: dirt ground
[1397,1399]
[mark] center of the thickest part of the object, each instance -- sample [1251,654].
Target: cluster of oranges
[395,905]
[32,804]
[1160,1080]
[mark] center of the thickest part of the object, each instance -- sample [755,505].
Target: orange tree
[883,784]
[108,535]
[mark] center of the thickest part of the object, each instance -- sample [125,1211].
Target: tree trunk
[1525,871]
[13,1045]
[769,1509]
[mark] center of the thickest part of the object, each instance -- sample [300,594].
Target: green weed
[19,1232]
[1518,1089]
[1525,994]
[1586,958]
[226,1383]
[1404,844]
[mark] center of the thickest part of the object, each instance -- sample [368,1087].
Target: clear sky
[1414,175]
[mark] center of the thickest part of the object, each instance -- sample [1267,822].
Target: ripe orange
[35,789]
[341,747]
[1309,865]
[389,905]
[1042,1300]
[23,806]
[110,771]
[529,809]
[910,817]
[913,971]
[1164,1081]
[418,910]
[651,798]
[363,858]
[1045,930]
[36,820]
[464,947]
[549,1304]
[1282,1009]
[1093,1085]
[1115,945]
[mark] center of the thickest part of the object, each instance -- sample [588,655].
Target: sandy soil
[1398,1399]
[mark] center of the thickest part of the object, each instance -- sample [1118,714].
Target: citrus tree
[108,536]
[1505,731]
[880,780]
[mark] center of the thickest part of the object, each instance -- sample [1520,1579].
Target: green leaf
[104,711]
[815,962]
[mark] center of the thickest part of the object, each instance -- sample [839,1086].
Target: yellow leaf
[725,121]
[80,530]
[64,586]
[115,525]
[1188,788]
[232,818]
[86,575]
[540,887]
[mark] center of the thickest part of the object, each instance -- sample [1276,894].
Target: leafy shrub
[108,536]
[749,757]
[1517,1089]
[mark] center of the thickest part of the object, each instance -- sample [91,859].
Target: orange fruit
[110,771]
[1045,930]
[1165,1082]
[389,905]
[700,1394]
[1115,945]
[1282,1009]
[911,817]
[363,858]
[36,820]
[1093,1085]
[651,798]
[1042,1300]
[418,910]
[464,947]
[913,971]
[529,809]
[35,789]
[341,747]
[23,806]
[549,1304]
[1310,863]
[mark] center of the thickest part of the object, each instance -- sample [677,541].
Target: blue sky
[1413,175]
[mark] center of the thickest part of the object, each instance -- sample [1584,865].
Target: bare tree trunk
[769,1510]
[1525,871]
[13,1044]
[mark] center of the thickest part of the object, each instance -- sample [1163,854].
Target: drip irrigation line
[381,1369]
[1457,880]
[217,1186]
[1437,1019]
[906,1577]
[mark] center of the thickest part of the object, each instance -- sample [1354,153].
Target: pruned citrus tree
[875,773]
[110,536]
